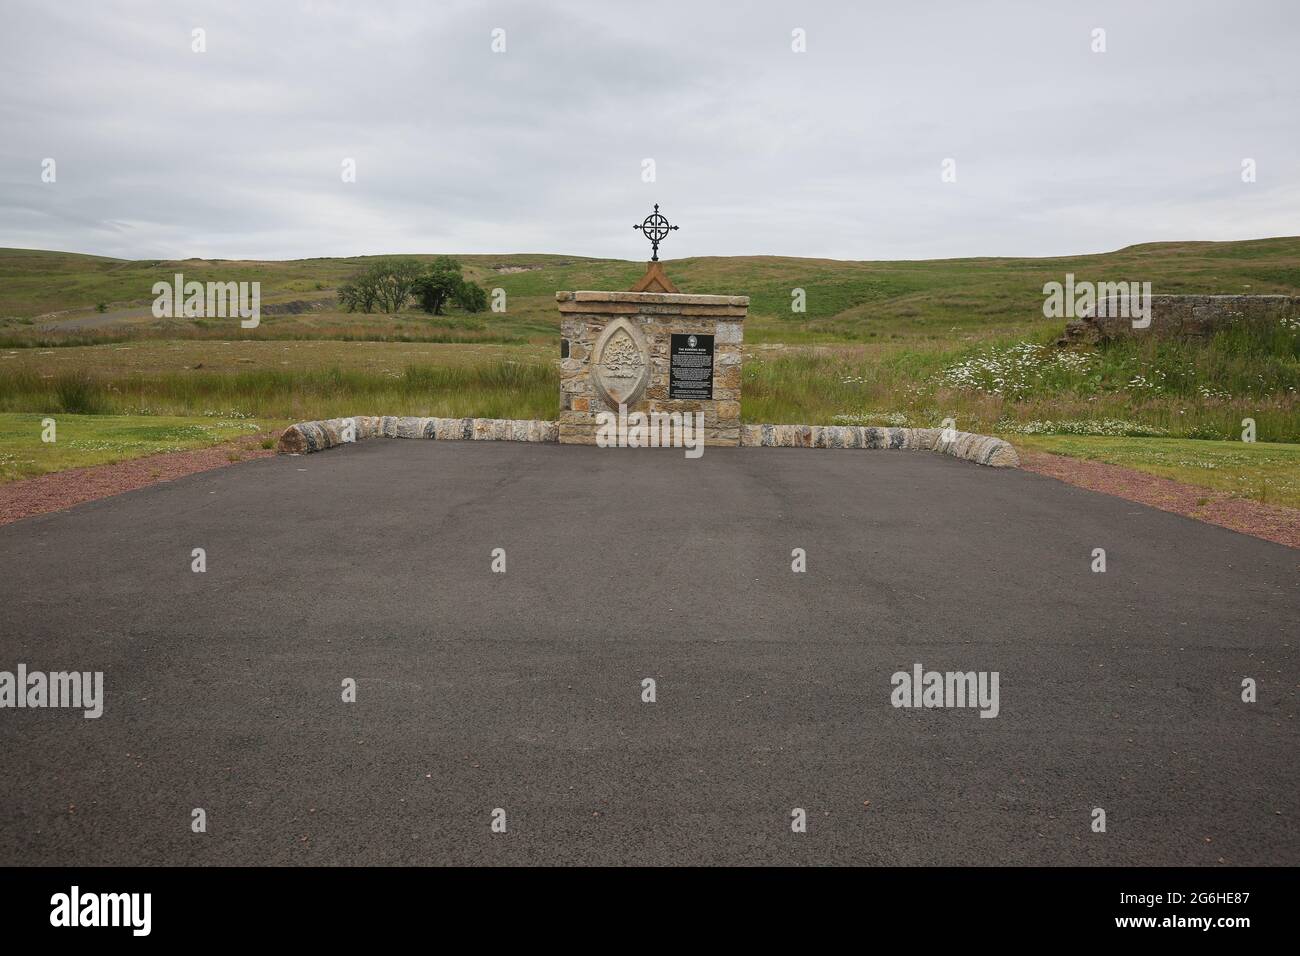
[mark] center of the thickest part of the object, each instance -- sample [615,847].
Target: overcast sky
[237,152]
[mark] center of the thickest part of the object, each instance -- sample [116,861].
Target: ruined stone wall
[1174,316]
[616,346]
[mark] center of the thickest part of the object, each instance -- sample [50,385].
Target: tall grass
[1191,389]
[459,334]
[1181,388]
[79,393]
[492,390]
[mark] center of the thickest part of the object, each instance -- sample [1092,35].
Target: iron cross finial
[655,228]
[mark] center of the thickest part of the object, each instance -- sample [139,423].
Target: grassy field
[1025,387]
[82,440]
[497,389]
[1203,391]
[163,356]
[881,342]
[947,300]
[1267,473]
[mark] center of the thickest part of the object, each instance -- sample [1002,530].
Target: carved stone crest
[621,363]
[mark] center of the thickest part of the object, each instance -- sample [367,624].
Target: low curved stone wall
[981,449]
[306,437]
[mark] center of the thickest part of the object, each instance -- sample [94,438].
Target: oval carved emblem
[621,363]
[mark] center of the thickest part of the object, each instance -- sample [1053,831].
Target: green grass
[942,299]
[487,389]
[1263,472]
[155,356]
[890,342]
[1041,390]
[83,440]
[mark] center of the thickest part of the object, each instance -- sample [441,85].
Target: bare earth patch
[45,493]
[1270,522]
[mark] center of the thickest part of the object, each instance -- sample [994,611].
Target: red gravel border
[1270,522]
[63,489]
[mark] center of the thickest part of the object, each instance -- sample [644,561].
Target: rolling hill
[846,301]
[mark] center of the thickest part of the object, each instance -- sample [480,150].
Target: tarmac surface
[522,691]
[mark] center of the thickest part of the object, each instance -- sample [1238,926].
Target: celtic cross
[655,228]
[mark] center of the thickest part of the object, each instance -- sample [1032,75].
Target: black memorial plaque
[690,370]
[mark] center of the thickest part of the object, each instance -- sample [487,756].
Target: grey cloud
[236,152]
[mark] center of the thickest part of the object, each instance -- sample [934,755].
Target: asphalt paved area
[522,690]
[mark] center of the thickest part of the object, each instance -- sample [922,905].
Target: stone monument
[651,349]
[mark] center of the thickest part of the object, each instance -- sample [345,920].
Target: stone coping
[652,298]
[969,446]
[307,437]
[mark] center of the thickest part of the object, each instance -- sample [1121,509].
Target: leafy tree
[471,297]
[394,282]
[439,284]
[358,293]
[388,284]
